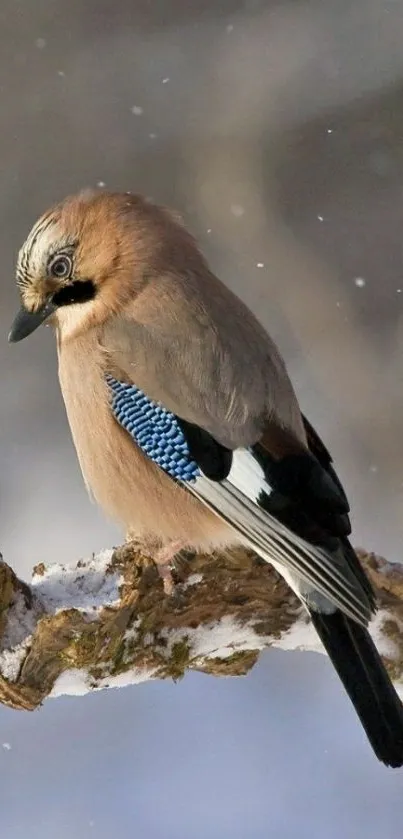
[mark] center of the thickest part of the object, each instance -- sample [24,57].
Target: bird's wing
[287,507]
[319,450]
[208,361]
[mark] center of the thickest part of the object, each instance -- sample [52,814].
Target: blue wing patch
[155,430]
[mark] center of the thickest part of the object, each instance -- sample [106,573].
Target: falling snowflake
[360,282]
[166,80]
[101,184]
[329,131]
[137,110]
[320,218]
[40,43]
[237,210]
[6,746]
[260,265]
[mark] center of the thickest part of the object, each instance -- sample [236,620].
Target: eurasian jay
[186,424]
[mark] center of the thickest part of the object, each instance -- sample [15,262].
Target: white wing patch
[247,475]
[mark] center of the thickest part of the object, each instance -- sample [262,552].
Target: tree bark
[106,622]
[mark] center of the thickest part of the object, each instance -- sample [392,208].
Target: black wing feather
[320,451]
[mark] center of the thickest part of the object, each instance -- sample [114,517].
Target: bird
[187,427]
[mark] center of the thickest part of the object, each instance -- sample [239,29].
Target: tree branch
[105,622]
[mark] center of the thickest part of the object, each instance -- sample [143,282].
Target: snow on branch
[105,622]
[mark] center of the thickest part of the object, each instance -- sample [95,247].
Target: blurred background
[277,129]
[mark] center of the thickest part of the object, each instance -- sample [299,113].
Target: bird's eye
[60,267]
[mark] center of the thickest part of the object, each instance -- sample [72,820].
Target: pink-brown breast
[129,487]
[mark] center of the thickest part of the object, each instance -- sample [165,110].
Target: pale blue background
[273,115]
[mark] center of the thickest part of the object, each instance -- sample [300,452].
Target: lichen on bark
[106,622]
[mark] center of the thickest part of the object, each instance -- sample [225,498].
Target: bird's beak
[26,322]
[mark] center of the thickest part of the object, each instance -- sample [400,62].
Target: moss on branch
[106,622]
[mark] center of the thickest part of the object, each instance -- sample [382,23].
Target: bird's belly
[126,484]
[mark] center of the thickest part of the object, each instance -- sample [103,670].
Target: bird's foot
[163,559]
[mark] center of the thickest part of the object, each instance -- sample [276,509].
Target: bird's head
[84,260]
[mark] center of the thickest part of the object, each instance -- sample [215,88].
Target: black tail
[358,663]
